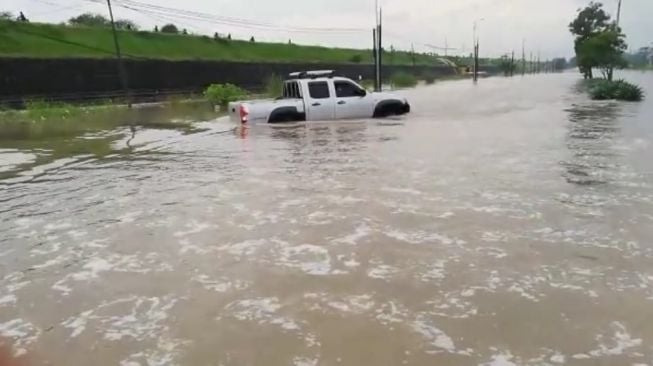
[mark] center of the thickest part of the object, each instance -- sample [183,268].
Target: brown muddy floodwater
[508,223]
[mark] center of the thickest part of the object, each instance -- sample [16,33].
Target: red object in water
[244,113]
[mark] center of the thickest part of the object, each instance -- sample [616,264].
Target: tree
[90,20]
[604,50]
[169,28]
[5,15]
[22,18]
[156,29]
[184,31]
[589,22]
[229,36]
[125,24]
[252,39]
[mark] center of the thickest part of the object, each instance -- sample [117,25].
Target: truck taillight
[244,113]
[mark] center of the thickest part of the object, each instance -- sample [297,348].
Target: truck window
[346,89]
[318,89]
[291,90]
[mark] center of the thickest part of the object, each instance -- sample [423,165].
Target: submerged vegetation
[222,94]
[403,80]
[51,120]
[618,90]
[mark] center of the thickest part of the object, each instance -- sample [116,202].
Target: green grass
[403,80]
[57,41]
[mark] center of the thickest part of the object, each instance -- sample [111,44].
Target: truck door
[320,105]
[352,101]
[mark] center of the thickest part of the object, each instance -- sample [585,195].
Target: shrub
[222,94]
[403,80]
[169,28]
[90,20]
[274,86]
[619,90]
[357,59]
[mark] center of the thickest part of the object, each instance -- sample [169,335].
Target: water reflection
[593,129]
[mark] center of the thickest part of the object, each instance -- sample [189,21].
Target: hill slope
[58,41]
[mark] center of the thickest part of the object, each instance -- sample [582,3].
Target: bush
[619,90]
[274,86]
[403,80]
[222,94]
[169,28]
[357,59]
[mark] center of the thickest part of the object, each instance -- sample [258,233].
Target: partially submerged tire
[285,115]
[388,108]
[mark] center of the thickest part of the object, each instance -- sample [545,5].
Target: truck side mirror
[361,92]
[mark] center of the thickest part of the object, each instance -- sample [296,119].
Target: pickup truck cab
[319,96]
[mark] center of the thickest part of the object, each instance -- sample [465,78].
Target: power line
[223,20]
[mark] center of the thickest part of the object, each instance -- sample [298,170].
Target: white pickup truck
[318,96]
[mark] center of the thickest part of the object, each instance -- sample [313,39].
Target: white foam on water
[310,259]
[305,361]
[8,300]
[220,284]
[362,230]
[558,358]
[46,249]
[620,342]
[244,248]
[410,191]
[504,359]
[357,304]
[194,227]
[22,332]
[420,237]
[129,217]
[262,311]
[436,272]
[113,262]
[77,323]
[382,272]
[390,313]
[434,336]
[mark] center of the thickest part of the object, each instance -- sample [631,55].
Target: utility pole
[380,48]
[121,66]
[523,57]
[412,53]
[618,12]
[512,63]
[375,55]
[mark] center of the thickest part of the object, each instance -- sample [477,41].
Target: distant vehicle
[319,96]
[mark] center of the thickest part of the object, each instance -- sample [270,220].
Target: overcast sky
[543,23]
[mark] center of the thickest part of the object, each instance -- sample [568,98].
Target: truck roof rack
[312,74]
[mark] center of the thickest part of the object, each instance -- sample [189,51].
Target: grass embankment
[58,41]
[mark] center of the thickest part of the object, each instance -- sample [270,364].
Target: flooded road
[509,223]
